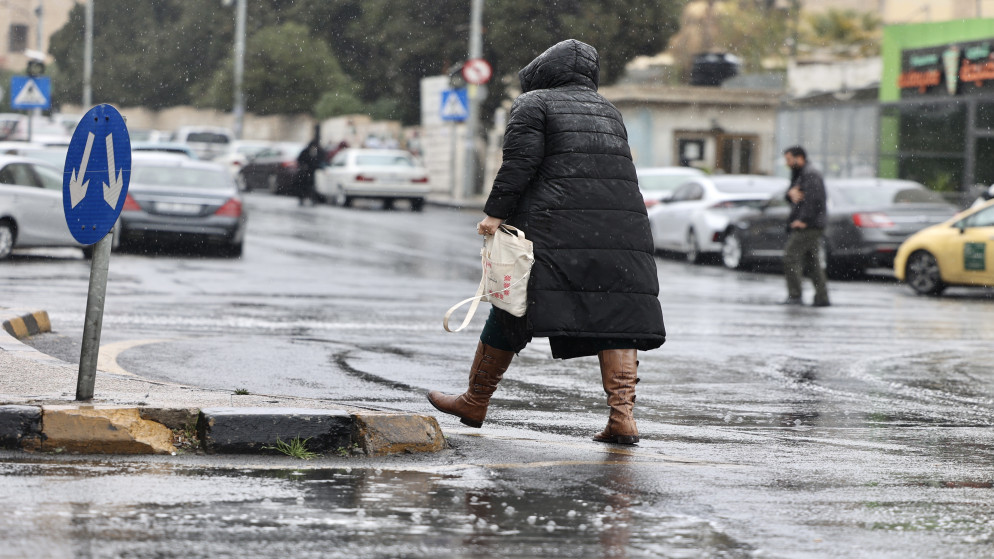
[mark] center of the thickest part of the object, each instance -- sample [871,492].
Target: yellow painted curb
[28,324]
[102,430]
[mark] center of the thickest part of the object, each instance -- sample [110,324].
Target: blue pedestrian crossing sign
[455,105]
[97,173]
[30,93]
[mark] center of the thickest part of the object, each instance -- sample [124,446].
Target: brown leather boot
[471,407]
[619,373]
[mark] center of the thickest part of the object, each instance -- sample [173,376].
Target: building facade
[937,104]
[27,25]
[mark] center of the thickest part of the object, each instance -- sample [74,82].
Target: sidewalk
[131,415]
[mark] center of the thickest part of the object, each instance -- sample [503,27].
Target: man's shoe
[821,304]
[791,301]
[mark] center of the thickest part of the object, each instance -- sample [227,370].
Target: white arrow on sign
[112,191]
[77,186]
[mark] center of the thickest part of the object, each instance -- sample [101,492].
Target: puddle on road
[349,513]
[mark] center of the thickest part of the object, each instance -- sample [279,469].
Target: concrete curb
[33,417]
[26,323]
[109,429]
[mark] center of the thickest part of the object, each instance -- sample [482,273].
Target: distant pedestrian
[309,161]
[567,180]
[805,228]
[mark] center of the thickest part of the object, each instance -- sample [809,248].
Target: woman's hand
[489,225]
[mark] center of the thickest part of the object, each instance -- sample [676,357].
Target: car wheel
[732,251]
[417,204]
[6,239]
[922,274]
[693,248]
[341,198]
[388,203]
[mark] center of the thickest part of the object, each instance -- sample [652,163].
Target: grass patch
[241,392]
[296,448]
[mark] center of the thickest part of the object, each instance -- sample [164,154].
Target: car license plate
[177,208]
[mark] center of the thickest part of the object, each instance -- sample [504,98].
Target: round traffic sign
[97,173]
[476,71]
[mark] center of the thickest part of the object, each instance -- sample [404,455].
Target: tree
[844,33]
[145,53]
[159,53]
[286,71]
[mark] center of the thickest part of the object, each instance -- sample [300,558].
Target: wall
[654,115]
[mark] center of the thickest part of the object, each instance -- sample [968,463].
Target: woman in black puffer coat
[569,183]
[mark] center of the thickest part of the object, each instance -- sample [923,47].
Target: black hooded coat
[568,181]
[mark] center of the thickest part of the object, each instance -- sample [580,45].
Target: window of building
[18,37]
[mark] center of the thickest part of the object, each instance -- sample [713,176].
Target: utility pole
[40,12]
[88,58]
[239,108]
[475,51]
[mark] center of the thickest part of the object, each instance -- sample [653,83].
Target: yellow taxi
[957,252]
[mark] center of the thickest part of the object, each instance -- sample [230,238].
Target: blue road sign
[30,93]
[97,173]
[455,105]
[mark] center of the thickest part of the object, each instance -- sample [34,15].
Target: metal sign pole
[99,266]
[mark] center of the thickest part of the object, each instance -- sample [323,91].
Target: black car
[272,169]
[868,219]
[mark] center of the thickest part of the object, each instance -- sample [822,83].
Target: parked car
[959,251]
[383,174]
[165,147]
[238,155]
[175,198]
[272,169]
[207,141]
[31,213]
[658,183]
[694,218]
[52,155]
[867,220]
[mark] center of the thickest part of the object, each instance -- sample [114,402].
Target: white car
[658,183]
[31,213]
[384,174]
[207,141]
[693,220]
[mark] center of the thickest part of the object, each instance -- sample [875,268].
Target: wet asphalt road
[861,430]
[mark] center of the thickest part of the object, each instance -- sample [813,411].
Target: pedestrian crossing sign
[455,105]
[30,93]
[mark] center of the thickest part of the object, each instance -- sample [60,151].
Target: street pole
[88,58]
[475,51]
[239,109]
[94,318]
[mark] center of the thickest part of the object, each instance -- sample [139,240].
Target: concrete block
[173,418]
[248,430]
[382,433]
[103,430]
[19,426]
[28,324]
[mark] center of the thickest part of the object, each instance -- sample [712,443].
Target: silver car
[172,197]
[383,174]
[31,213]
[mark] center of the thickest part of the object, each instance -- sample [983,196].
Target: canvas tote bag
[507,260]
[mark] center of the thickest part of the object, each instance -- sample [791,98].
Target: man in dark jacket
[806,227]
[567,180]
[311,158]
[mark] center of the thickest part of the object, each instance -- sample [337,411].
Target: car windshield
[179,176]
[663,183]
[383,160]
[748,186]
[886,195]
